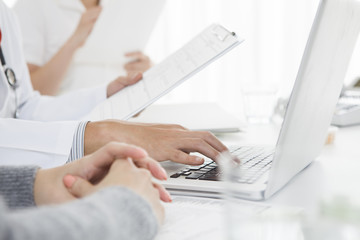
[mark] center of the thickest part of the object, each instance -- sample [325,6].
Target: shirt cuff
[77,149]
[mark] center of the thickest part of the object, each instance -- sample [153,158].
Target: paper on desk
[194,116]
[197,218]
[204,219]
[210,44]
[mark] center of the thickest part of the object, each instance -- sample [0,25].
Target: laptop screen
[316,90]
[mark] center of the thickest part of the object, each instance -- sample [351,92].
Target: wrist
[39,187]
[113,87]
[49,187]
[96,135]
[72,44]
[122,82]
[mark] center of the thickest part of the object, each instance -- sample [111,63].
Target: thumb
[77,186]
[132,78]
[122,82]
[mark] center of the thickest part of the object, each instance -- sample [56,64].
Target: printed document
[209,45]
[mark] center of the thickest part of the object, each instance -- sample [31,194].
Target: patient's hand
[124,173]
[49,185]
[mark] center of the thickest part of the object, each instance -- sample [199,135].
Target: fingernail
[169,199]
[143,151]
[136,75]
[133,75]
[69,181]
[163,173]
[199,160]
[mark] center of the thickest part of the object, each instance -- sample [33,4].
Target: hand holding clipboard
[194,56]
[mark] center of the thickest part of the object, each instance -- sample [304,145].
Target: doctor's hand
[162,142]
[122,82]
[139,63]
[49,185]
[85,26]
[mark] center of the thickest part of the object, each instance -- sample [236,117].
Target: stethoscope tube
[2,59]
[10,77]
[9,73]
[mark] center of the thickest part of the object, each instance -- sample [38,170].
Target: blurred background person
[56,48]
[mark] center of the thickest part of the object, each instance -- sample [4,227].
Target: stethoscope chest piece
[11,78]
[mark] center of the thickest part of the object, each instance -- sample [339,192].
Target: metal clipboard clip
[222,33]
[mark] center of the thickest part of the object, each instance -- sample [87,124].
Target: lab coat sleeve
[70,106]
[46,144]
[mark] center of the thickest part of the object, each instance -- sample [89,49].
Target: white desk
[334,172]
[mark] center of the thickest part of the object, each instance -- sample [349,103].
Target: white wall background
[275,33]
[9,2]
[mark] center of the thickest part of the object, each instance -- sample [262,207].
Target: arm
[46,144]
[33,106]
[74,105]
[112,213]
[47,78]
[162,141]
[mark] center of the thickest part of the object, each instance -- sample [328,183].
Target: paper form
[198,218]
[210,44]
[205,218]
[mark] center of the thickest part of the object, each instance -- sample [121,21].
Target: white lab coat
[38,141]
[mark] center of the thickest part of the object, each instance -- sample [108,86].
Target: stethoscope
[10,76]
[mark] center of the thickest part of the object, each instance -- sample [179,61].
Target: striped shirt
[77,149]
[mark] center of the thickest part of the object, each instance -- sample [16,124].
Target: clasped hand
[115,164]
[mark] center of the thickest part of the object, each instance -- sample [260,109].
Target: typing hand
[162,141]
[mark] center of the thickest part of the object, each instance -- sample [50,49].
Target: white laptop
[308,116]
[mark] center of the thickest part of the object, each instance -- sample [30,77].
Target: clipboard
[205,48]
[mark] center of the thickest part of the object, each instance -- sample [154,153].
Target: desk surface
[333,173]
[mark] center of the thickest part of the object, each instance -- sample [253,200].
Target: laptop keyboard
[255,161]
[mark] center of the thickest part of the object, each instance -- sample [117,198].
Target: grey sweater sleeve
[17,185]
[113,213]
